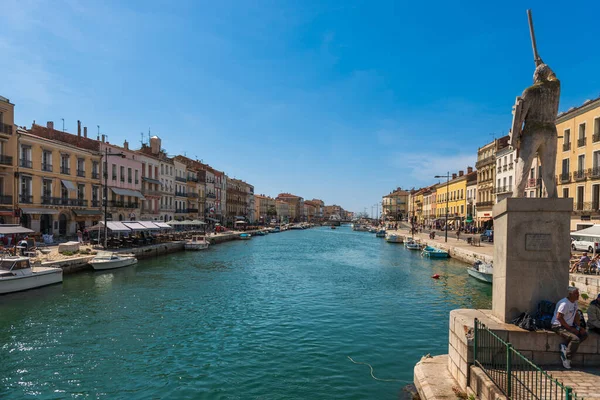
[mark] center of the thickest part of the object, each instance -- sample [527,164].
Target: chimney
[155,144]
[469,170]
[50,124]
[126,145]
[85,131]
[79,128]
[103,138]
[453,176]
[461,173]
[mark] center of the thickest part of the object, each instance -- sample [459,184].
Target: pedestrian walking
[79,236]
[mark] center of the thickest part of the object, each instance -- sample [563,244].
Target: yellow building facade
[395,205]
[7,161]
[453,195]
[578,161]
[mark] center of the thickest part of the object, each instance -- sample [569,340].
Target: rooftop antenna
[142,140]
[98,132]
[63,120]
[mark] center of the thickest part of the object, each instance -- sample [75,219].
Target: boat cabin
[13,266]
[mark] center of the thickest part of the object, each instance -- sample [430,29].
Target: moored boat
[482,271]
[432,252]
[380,233]
[394,238]
[111,260]
[412,245]
[245,236]
[17,274]
[197,242]
[259,233]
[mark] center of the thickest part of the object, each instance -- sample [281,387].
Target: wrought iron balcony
[510,165]
[503,189]
[180,179]
[192,210]
[504,167]
[192,179]
[583,206]
[114,177]
[6,160]
[565,177]
[192,195]
[65,170]
[6,199]
[532,182]
[484,204]
[81,173]
[485,161]
[95,203]
[596,137]
[25,163]
[181,211]
[123,179]
[211,196]
[6,129]
[122,204]
[180,194]
[63,201]
[594,173]
[46,167]
[25,198]
[95,175]
[581,142]
[567,146]
[580,175]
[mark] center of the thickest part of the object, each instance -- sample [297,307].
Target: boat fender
[436,276]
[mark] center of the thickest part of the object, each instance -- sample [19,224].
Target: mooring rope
[376,378]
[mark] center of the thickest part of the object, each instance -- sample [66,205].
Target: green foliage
[585,296]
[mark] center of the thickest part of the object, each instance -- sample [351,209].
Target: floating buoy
[436,276]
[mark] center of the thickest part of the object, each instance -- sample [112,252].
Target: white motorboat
[394,238]
[482,271]
[197,242]
[112,260]
[380,233]
[412,245]
[16,274]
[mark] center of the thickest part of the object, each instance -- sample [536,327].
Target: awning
[128,192]
[155,181]
[13,230]
[162,225]
[113,226]
[135,226]
[68,184]
[240,222]
[38,211]
[83,213]
[149,225]
[212,219]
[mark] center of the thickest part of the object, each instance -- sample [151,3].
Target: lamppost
[105,190]
[447,176]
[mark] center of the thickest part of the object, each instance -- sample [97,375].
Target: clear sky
[338,100]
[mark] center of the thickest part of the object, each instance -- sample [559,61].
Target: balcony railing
[510,165]
[137,181]
[579,175]
[25,163]
[181,211]
[583,206]
[65,170]
[532,182]
[567,146]
[156,193]
[46,167]
[81,173]
[181,194]
[180,179]
[503,189]
[63,201]
[565,177]
[122,204]
[211,196]
[149,211]
[6,199]
[485,161]
[192,195]
[192,210]
[95,175]
[6,160]
[581,142]
[594,173]
[114,177]
[95,203]
[484,204]
[192,179]
[505,167]
[6,129]
[167,208]
[596,137]
[25,198]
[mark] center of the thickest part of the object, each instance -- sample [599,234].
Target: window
[566,193]
[597,128]
[136,175]
[64,193]
[81,167]
[581,163]
[95,170]
[567,136]
[510,182]
[122,169]
[80,191]
[565,166]
[47,161]
[162,169]
[46,188]
[65,164]
[25,156]
[596,161]
[114,172]
[581,131]
[128,175]
[95,192]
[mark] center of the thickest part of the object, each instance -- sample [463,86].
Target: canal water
[271,318]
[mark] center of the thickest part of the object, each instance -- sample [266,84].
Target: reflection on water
[273,317]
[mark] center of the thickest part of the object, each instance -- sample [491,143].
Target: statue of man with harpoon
[534,125]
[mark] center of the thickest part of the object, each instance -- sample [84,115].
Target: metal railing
[4,199]
[580,175]
[6,160]
[6,128]
[81,173]
[581,142]
[95,175]
[513,373]
[65,170]
[180,179]
[567,146]
[564,177]
[25,163]
[596,137]
[46,167]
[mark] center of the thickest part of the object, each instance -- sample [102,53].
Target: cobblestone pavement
[586,382]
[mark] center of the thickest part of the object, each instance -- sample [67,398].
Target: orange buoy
[436,276]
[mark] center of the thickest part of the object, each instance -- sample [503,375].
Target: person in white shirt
[565,323]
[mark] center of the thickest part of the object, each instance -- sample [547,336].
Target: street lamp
[447,176]
[105,190]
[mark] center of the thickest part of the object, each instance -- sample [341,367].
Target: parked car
[487,236]
[585,243]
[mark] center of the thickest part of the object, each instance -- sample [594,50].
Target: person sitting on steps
[593,313]
[566,323]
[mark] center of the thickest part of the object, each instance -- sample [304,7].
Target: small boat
[432,252]
[111,260]
[372,230]
[197,242]
[394,238]
[380,233]
[482,271]
[332,226]
[17,274]
[296,226]
[412,245]
[259,233]
[245,236]
[277,229]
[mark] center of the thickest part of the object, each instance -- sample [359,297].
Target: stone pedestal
[531,254]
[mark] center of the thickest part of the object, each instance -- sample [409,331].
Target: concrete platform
[433,380]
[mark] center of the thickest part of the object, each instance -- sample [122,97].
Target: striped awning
[128,192]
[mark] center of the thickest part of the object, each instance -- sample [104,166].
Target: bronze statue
[533,130]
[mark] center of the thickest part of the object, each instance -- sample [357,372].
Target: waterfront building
[250,199]
[333,212]
[313,209]
[166,176]
[193,193]
[7,162]
[124,181]
[58,180]
[319,205]
[296,205]
[237,200]
[395,205]
[220,189]
[151,188]
[471,197]
[578,161]
[265,208]
[486,178]
[180,189]
[429,206]
[452,198]
[283,211]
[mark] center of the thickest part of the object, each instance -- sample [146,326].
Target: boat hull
[413,246]
[196,246]
[432,252]
[482,276]
[103,265]
[394,239]
[46,277]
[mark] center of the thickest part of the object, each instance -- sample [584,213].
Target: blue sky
[342,101]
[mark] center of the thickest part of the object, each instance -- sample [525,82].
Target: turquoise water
[271,318]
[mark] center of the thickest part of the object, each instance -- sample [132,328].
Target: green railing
[515,375]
